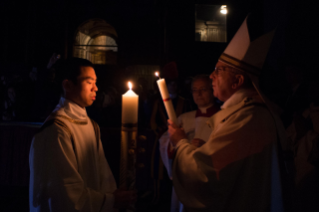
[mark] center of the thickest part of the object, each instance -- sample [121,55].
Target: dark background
[150,32]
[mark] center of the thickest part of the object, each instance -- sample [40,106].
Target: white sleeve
[164,143]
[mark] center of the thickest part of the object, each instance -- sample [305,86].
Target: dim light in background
[223,9]
[210,23]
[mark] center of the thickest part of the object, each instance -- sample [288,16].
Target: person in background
[303,138]
[194,125]
[296,101]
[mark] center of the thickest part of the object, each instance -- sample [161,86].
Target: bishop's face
[222,80]
[84,92]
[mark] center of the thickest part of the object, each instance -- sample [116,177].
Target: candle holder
[128,159]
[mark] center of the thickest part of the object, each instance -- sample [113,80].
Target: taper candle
[166,98]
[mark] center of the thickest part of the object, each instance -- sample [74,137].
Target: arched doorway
[95,40]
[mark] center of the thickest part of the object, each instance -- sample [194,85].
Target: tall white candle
[129,106]
[166,99]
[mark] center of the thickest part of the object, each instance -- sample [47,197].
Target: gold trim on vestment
[72,120]
[237,64]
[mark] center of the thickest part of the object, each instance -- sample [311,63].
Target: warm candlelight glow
[157,74]
[130,85]
[129,106]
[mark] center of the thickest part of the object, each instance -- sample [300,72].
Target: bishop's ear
[238,81]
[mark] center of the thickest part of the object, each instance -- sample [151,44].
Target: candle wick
[157,74]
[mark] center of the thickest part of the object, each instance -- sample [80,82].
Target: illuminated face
[223,79]
[84,92]
[202,93]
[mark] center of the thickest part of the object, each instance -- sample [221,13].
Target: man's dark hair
[70,69]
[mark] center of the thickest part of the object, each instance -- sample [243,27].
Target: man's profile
[68,169]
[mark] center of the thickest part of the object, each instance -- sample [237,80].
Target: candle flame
[130,85]
[157,74]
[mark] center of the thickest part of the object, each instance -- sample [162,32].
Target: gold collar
[72,120]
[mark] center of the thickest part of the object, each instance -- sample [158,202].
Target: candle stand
[128,158]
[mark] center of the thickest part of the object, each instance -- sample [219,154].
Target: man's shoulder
[248,109]
[252,116]
[94,123]
[253,108]
[250,104]
[54,126]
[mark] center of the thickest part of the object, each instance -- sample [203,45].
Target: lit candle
[166,98]
[129,106]
[128,140]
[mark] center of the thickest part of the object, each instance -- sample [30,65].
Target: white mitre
[244,54]
[248,55]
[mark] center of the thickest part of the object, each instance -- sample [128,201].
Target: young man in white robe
[237,168]
[68,169]
[194,125]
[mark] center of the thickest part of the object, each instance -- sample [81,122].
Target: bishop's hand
[175,133]
[197,142]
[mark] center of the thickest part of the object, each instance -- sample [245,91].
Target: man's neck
[71,109]
[204,109]
[73,101]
